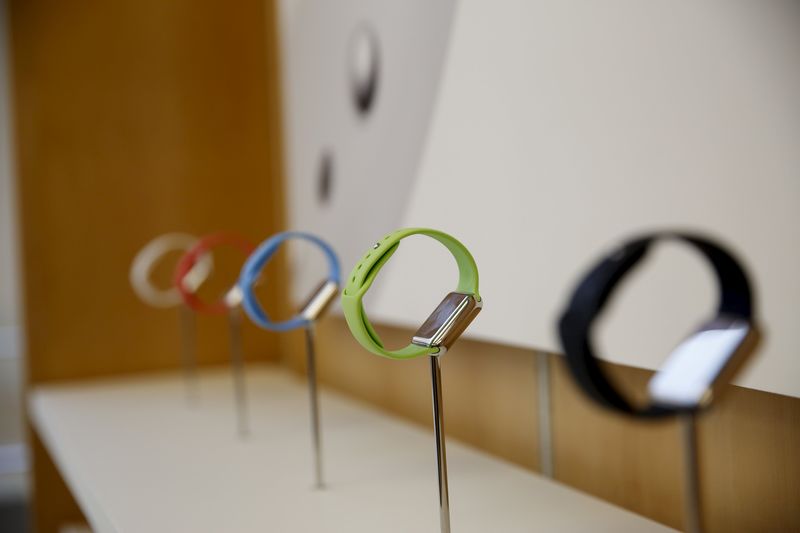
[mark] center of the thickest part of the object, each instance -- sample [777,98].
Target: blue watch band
[255,264]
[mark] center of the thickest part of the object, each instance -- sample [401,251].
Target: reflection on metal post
[311,365]
[545,428]
[237,368]
[692,504]
[441,452]
[188,351]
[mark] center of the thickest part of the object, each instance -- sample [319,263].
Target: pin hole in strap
[374,268]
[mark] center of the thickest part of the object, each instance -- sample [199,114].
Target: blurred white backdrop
[546,132]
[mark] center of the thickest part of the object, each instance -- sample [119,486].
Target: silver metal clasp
[448,321]
[319,301]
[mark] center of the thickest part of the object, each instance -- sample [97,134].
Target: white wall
[374,156]
[565,126]
[554,129]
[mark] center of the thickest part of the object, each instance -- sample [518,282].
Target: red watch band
[190,258]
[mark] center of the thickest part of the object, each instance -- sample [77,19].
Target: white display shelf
[139,457]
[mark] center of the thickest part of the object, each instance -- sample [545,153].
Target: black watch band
[593,292]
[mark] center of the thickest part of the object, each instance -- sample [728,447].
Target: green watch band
[365,272]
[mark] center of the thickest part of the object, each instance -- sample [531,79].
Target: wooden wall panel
[631,463]
[748,441]
[133,119]
[749,449]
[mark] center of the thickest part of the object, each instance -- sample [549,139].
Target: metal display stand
[229,304]
[237,370]
[141,268]
[544,411]
[188,329]
[691,490]
[441,449]
[696,370]
[306,318]
[311,312]
[316,434]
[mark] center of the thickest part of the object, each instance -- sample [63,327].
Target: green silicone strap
[365,272]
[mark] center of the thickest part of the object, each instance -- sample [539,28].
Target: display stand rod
[544,406]
[441,451]
[188,333]
[692,504]
[237,368]
[316,437]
